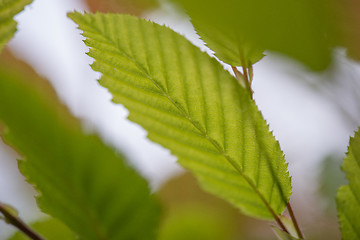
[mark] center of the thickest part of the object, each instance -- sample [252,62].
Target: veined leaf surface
[8,9]
[80,180]
[348,196]
[189,104]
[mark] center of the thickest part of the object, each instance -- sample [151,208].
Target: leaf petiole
[293,218]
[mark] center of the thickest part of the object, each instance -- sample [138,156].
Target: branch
[292,215]
[19,224]
[243,78]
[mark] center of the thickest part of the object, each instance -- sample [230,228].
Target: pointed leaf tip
[189,104]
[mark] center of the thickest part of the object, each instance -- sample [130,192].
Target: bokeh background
[312,114]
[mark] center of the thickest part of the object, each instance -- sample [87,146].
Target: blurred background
[312,115]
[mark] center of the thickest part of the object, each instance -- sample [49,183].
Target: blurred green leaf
[330,179]
[299,29]
[183,194]
[8,9]
[229,46]
[348,196]
[80,181]
[188,103]
[50,229]
[194,222]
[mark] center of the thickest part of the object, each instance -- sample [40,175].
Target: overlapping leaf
[348,196]
[80,181]
[195,222]
[188,103]
[8,9]
[228,44]
[299,29]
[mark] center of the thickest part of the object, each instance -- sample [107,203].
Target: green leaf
[195,222]
[8,9]
[182,195]
[189,104]
[330,179]
[50,229]
[348,196]
[80,180]
[229,46]
[299,29]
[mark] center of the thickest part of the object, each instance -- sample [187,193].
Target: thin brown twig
[247,79]
[239,76]
[292,215]
[247,74]
[18,223]
[243,78]
[280,223]
[251,73]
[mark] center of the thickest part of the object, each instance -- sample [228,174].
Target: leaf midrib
[204,134]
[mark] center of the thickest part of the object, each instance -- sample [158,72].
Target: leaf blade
[303,30]
[8,9]
[229,46]
[80,180]
[189,104]
[348,196]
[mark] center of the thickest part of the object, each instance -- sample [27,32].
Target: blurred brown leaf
[136,7]
[348,12]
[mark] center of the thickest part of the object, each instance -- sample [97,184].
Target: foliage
[348,196]
[50,229]
[193,223]
[186,203]
[8,9]
[188,103]
[170,88]
[295,28]
[87,180]
[330,179]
